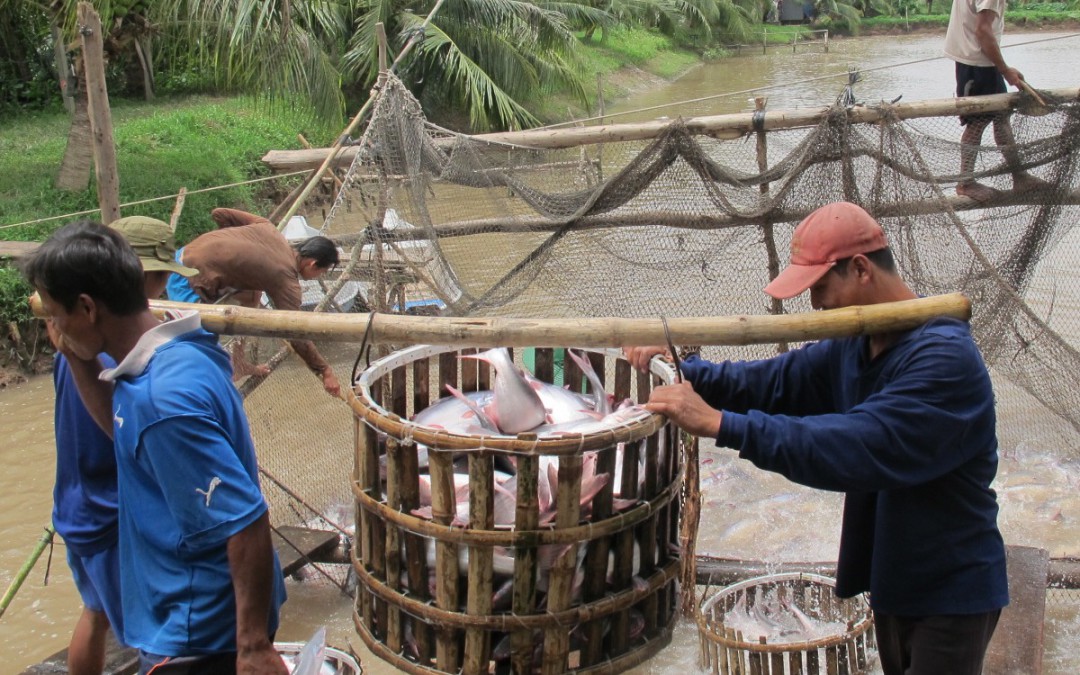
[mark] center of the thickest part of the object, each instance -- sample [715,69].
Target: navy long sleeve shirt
[909,436]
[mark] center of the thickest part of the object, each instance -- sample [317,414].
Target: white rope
[156,199]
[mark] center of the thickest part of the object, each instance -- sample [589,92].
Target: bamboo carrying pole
[24,571]
[728,126]
[584,332]
[100,116]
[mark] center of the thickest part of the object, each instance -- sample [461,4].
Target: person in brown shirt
[246,257]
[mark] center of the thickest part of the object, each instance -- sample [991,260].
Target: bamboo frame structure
[451,623]
[585,332]
[728,126]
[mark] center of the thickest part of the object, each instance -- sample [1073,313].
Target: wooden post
[380,35]
[775,306]
[100,119]
[764,42]
[108,184]
[600,113]
[826,40]
[175,217]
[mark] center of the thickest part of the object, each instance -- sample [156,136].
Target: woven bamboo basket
[843,652]
[442,620]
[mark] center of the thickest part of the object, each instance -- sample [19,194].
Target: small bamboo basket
[442,620]
[724,650]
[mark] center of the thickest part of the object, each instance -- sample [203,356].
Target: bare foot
[1026,182]
[977,191]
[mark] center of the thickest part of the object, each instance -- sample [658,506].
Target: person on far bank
[85,511]
[247,256]
[902,422]
[201,582]
[973,41]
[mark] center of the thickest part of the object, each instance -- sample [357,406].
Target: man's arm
[235,218]
[287,297]
[251,556]
[984,33]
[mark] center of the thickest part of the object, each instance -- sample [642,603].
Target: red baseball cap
[833,232]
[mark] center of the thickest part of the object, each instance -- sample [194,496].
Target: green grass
[604,55]
[193,142]
[1041,14]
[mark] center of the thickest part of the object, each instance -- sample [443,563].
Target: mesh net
[685,224]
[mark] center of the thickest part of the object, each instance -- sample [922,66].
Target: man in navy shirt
[85,512]
[201,582]
[901,422]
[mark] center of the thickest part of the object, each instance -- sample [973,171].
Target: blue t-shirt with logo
[188,481]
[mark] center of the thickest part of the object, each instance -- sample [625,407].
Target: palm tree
[126,27]
[481,56]
[283,51]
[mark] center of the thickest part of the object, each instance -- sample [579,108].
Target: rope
[156,199]
[781,85]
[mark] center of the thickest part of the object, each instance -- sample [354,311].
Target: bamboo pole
[24,571]
[689,221]
[108,183]
[727,126]
[405,330]
[174,219]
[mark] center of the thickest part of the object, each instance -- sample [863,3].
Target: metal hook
[674,352]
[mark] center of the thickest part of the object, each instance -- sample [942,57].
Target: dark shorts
[928,645]
[978,81]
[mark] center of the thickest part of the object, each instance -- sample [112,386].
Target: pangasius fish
[515,406]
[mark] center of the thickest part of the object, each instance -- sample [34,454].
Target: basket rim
[386,421]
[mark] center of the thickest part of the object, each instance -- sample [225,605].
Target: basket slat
[447,651]
[481,516]
[561,577]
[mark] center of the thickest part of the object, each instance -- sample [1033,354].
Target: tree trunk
[142,48]
[78,162]
[63,68]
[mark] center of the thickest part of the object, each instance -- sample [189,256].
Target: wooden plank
[119,660]
[315,544]
[1017,645]
[17,250]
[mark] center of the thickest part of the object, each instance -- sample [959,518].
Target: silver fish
[602,403]
[515,406]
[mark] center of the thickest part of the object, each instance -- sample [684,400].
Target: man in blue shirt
[902,422]
[84,497]
[201,582]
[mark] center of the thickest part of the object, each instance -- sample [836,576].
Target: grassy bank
[1033,16]
[625,60]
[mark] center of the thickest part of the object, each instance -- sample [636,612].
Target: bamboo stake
[559,332]
[776,306]
[24,571]
[727,126]
[177,208]
[108,184]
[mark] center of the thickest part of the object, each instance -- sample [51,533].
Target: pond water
[748,513]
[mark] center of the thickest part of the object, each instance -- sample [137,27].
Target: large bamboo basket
[448,625]
[725,651]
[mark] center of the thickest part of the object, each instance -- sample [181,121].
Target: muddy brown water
[747,513]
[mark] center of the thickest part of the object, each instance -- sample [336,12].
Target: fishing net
[683,223]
